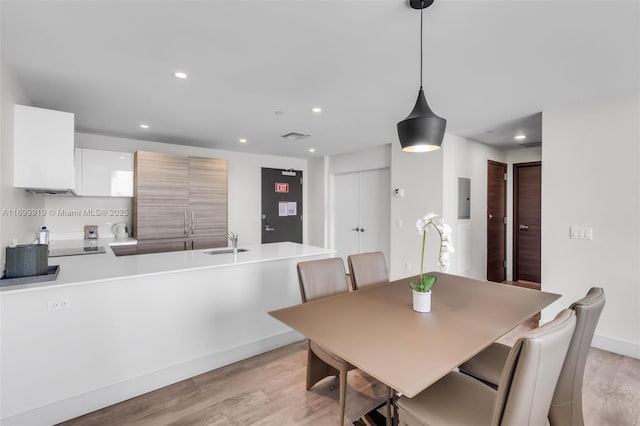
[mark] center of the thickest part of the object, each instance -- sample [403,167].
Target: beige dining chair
[318,279]
[524,393]
[566,405]
[367,269]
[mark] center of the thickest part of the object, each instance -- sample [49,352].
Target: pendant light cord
[421,11]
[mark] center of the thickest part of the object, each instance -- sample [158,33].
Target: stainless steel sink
[225,251]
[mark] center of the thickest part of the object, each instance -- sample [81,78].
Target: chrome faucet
[234,241]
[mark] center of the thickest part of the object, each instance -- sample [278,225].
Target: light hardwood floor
[269,389]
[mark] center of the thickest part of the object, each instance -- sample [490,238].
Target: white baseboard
[99,398]
[616,346]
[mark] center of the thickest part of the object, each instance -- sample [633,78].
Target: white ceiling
[488,64]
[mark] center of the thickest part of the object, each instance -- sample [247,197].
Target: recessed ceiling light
[144,126]
[312,150]
[180,74]
[520,137]
[243,140]
[316,109]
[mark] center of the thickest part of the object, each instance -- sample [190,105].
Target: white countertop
[90,268]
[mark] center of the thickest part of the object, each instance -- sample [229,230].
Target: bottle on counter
[43,235]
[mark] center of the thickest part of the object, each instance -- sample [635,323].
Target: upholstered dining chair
[367,269]
[524,392]
[566,405]
[323,278]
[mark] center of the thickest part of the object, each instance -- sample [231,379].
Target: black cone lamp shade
[422,130]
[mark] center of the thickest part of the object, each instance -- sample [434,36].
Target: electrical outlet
[407,266]
[56,305]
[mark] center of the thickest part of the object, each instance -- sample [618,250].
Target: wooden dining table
[376,329]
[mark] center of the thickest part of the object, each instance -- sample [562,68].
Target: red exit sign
[282,187]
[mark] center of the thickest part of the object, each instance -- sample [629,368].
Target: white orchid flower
[429,216]
[444,232]
[446,246]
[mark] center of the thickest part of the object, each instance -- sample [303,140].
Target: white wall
[420,176]
[244,185]
[468,159]
[317,177]
[22,228]
[368,159]
[591,178]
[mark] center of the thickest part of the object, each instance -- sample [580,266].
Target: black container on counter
[27,260]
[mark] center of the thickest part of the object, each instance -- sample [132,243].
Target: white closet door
[345,213]
[375,211]
[361,212]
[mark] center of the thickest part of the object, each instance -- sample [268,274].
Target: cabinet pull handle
[185,222]
[193,221]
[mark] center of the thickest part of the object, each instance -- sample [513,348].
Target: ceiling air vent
[294,136]
[531,144]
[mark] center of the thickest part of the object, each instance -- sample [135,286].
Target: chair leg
[389,402]
[317,369]
[343,393]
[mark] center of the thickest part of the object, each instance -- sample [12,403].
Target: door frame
[504,213]
[300,205]
[516,215]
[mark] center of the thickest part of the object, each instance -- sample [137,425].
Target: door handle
[523,227]
[490,216]
[185,222]
[356,229]
[267,228]
[193,221]
[361,229]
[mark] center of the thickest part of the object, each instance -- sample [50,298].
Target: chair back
[566,406]
[367,269]
[322,278]
[531,373]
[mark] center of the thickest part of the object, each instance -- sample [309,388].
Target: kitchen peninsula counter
[99,267]
[112,328]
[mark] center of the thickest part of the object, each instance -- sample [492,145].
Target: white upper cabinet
[104,173]
[43,149]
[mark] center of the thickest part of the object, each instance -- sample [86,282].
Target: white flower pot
[421,301]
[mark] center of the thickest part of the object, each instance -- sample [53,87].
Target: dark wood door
[161,196]
[496,221]
[208,200]
[281,205]
[527,221]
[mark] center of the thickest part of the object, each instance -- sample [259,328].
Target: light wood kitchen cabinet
[208,200]
[179,200]
[161,196]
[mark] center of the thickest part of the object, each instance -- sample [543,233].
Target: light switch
[581,233]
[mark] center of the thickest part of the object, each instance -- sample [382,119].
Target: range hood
[43,151]
[45,191]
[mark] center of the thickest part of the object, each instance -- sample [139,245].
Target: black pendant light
[422,130]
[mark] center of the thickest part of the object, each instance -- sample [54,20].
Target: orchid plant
[426,282]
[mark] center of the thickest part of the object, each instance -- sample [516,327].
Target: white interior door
[374,211]
[361,212]
[345,208]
